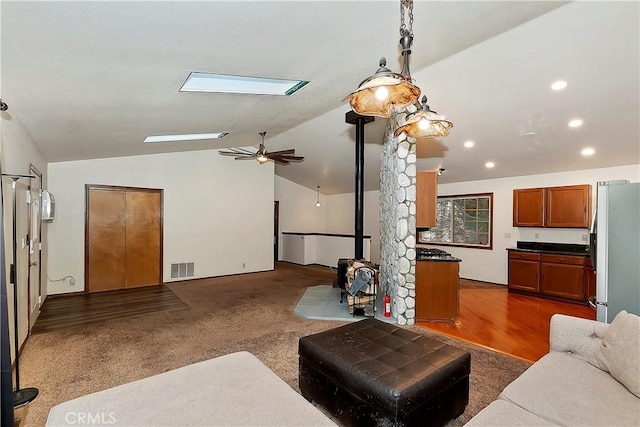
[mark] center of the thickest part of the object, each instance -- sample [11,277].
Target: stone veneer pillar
[398,224]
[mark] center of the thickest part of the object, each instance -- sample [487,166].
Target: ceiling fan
[283,157]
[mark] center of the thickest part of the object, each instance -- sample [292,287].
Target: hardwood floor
[69,311]
[507,322]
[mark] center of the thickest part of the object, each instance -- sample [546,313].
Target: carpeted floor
[252,312]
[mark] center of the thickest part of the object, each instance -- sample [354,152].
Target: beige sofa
[590,377]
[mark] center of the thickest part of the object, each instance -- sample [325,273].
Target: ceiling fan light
[262,159]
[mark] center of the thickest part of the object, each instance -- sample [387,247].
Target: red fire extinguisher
[387,306]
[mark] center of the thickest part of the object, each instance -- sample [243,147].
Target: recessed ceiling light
[186,137]
[559,85]
[489,165]
[588,151]
[469,144]
[222,83]
[575,123]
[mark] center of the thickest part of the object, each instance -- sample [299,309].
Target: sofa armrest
[576,336]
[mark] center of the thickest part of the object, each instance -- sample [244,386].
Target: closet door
[123,238]
[106,240]
[143,238]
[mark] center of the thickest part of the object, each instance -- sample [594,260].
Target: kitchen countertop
[437,258]
[552,248]
[545,251]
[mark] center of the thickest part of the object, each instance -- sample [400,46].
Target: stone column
[398,224]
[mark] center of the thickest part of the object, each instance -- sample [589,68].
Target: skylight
[222,83]
[185,137]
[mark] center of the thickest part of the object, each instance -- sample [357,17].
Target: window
[465,220]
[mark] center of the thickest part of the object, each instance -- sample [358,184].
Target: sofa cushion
[501,413]
[619,352]
[232,390]
[569,391]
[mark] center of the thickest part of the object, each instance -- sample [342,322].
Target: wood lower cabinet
[426,199]
[524,271]
[528,207]
[437,291]
[547,274]
[562,276]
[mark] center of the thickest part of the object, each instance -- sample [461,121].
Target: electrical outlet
[243,265]
[507,235]
[585,237]
[537,235]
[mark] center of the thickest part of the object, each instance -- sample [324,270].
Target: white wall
[491,265]
[298,213]
[326,250]
[218,213]
[341,217]
[298,210]
[17,152]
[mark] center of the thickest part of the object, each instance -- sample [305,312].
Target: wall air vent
[182,269]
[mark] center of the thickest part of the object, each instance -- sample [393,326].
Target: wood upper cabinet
[426,199]
[528,207]
[524,271]
[568,206]
[560,207]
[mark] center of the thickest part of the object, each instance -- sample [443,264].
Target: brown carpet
[252,312]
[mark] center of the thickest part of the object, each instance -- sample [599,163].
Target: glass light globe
[424,124]
[382,93]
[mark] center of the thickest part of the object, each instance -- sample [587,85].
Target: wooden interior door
[123,238]
[142,238]
[106,266]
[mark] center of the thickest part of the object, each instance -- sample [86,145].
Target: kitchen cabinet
[528,207]
[437,290]
[568,207]
[562,276]
[554,275]
[559,207]
[524,271]
[426,199]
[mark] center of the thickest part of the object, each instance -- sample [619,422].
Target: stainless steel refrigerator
[615,249]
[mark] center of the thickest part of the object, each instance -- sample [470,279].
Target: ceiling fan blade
[230,153]
[245,158]
[280,161]
[289,151]
[240,150]
[292,157]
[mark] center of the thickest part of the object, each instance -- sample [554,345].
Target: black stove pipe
[359,121]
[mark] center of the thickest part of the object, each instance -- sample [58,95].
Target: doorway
[276,227]
[34,239]
[123,237]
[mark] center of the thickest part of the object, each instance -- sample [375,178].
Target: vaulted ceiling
[93,79]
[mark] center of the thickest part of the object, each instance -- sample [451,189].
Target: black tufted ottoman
[371,373]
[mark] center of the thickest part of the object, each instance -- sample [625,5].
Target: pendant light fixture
[387,92]
[318,204]
[424,123]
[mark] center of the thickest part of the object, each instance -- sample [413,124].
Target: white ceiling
[93,79]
